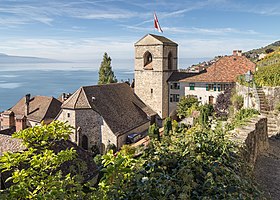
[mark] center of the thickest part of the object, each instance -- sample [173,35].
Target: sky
[82,30]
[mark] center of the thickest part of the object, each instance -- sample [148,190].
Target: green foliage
[106,74]
[237,101]
[186,105]
[187,164]
[167,125]
[118,170]
[153,131]
[242,81]
[241,117]
[268,75]
[112,147]
[222,104]
[205,111]
[277,107]
[36,171]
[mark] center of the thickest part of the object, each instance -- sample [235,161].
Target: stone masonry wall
[151,85]
[273,96]
[139,129]
[253,138]
[252,98]
[90,123]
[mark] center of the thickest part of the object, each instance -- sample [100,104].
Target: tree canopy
[106,74]
[36,172]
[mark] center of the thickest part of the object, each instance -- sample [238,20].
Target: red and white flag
[157,26]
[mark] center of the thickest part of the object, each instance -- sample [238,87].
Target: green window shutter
[207,87]
[191,86]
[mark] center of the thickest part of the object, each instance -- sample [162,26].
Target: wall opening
[148,59]
[170,60]
[85,142]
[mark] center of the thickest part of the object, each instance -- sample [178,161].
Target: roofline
[171,44]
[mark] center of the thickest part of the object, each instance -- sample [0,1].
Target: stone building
[28,112]
[105,114]
[160,85]
[155,60]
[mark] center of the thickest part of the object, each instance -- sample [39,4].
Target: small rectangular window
[175,86]
[152,91]
[68,114]
[192,85]
[219,87]
[174,98]
[207,87]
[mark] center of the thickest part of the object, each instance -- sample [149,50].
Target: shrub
[186,105]
[237,101]
[241,117]
[222,104]
[112,147]
[190,164]
[268,75]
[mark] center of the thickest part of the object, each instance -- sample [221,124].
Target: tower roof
[151,39]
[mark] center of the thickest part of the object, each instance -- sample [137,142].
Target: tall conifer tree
[106,74]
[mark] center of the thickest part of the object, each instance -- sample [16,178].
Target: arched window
[169,60]
[85,142]
[148,59]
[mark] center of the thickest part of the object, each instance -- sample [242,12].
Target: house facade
[207,84]
[105,114]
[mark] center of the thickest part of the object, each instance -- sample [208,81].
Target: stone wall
[251,100]
[273,96]
[90,123]
[253,138]
[108,137]
[139,129]
[151,84]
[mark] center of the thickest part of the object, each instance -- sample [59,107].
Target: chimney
[27,101]
[237,52]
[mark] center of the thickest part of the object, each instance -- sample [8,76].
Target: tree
[106,74]
[222,103]
[185,104]
[167,125]
[36,172]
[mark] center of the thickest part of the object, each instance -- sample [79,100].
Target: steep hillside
[253,54]
[270,59]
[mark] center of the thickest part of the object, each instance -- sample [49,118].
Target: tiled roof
[116,103]
[163,39]
[40,108]
[148,39]
[226,69]
[177,76]
[9,144]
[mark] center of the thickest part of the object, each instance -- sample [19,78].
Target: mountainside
[4,58]
[253,54]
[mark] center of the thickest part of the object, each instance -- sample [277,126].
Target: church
[160,84]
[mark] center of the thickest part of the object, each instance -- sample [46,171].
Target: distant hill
[5,59]
[253,55]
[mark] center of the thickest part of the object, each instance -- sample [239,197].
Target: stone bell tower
[155,60]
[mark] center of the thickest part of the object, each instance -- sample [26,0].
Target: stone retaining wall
[273,96]
[253,138]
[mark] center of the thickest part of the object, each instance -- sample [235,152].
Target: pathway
[267,169]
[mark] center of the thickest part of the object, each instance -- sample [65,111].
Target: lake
[15,82]
[53,79]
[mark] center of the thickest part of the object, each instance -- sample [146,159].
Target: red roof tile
[225,70]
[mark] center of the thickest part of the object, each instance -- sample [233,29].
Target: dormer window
[148,59]
[169,60]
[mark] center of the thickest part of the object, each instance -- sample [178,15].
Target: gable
[151,39]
